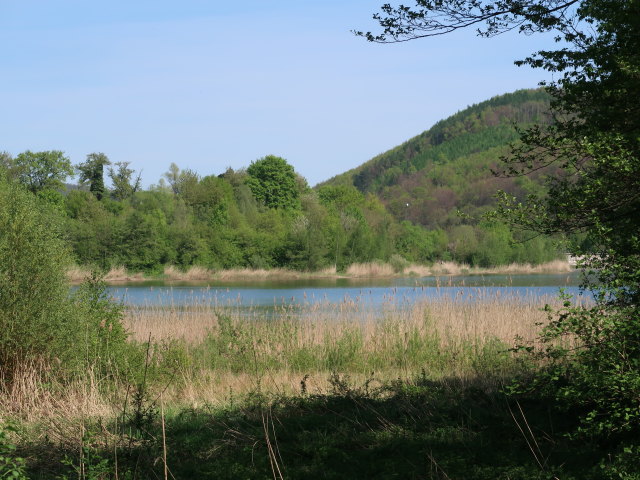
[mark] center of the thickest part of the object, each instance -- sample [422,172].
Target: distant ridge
[448,167]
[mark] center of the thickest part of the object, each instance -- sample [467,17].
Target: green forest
[421,202]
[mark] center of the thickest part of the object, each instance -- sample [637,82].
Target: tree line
[264,216]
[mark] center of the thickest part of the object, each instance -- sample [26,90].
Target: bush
[11,466]
[40,321]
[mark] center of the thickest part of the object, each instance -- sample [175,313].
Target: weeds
[326,394]
[12,466]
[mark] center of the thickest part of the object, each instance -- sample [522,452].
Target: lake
[369,293]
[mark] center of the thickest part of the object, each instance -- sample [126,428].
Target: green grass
[419,429]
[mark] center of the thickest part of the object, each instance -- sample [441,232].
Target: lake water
[369,293]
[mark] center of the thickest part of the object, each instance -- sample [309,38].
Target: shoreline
[120,275]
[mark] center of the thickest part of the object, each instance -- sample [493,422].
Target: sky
[208,84]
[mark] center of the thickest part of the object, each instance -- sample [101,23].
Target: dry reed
[357,270]
[450,336]
[226,351]
[194,274]
[30,396]
[479,317]
[372,269]
[116,275]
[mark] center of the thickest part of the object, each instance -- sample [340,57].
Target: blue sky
[211,84]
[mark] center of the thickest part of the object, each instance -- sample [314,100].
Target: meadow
[283,395]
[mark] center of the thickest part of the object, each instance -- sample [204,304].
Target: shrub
[40,321]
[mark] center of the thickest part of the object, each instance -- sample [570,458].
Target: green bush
[40,321]
[11,466]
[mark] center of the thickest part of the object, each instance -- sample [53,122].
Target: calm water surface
[371,293]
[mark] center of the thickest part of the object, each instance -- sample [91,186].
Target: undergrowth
[419,428]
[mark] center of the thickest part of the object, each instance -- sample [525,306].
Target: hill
[448,168]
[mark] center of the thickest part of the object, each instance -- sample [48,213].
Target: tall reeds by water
[213,352]
[233,348]
[357,270]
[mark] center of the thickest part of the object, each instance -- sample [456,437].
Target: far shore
[120,275]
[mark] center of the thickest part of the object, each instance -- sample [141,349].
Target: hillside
[448,168]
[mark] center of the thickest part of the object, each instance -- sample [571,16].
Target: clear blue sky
[211,84]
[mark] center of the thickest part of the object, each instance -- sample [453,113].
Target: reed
[116,275]
[194,274]
[35,396]
[211,353]
[171,273]
[229,349]
[371,269]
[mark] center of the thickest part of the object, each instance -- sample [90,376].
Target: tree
[173,177]
[594,145]
[274,183]
[6,160]
[432,18]
[92,171]
[123,184]
[41,170]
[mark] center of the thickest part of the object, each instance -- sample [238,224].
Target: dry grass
[77,274]
[555,266]
[229,352]
[357,270]
[449,268]
[249,273]
[116,275]
[190,324]
[450,336]
[479,317]
[194,274]
[30,396]
[371,269]
[415,270]
[378,269]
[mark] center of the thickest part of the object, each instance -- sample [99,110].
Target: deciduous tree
[124,185]
[92,171]
[594,143]
[274,183]
[41,170]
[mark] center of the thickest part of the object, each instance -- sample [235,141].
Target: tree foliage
[39,321]
[594,143]
[273,182]
[124,183]
[92,171]
[40,170]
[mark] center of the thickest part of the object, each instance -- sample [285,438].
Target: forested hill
[400,207]
[447,168]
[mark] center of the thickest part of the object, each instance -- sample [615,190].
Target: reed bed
[116,275]
[477,316]
[203,353]
[194,274]
[372,269]
[34,395]
[171,273]
[231,349]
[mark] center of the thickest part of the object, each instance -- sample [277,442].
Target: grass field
[323,392]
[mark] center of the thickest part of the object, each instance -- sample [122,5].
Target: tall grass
[171,273]
[200,353]
[223,349]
